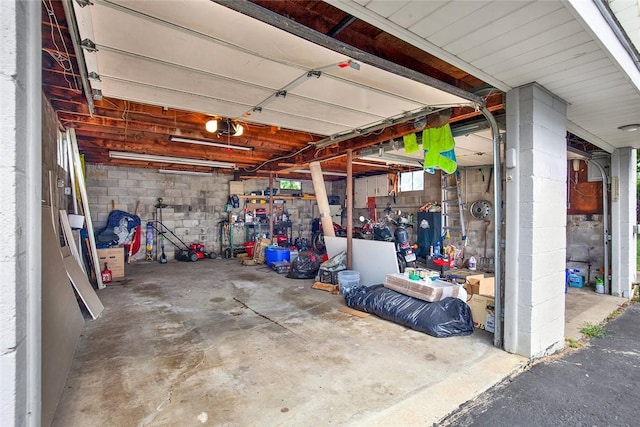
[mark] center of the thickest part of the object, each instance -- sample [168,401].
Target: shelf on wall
[303,197]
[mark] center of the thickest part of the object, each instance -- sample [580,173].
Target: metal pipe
[605,223]
[31,125]
[349,208]
[497,221]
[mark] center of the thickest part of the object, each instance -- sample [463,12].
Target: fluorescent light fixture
[176,172]
[323,173]
[371,165]
[394,160]
[168,159]
[209,143]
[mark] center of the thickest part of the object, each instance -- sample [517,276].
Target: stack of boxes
[481,293]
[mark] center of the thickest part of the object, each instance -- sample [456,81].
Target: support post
[271,217]
[321,199]
[349,208]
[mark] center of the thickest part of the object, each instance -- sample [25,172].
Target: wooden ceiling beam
[119,125]
[168,148]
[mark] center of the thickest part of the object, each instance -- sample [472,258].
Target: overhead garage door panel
[219,22]
[151,73]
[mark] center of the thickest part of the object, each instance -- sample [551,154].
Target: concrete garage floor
[217,343]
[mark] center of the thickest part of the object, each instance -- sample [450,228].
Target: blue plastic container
[576,281]
[275,254]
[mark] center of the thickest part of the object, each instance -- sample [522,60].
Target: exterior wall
[12,300]
[623,221]
[535,243]
[20,72]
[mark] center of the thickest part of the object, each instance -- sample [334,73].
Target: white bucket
[348,279]
[76,221]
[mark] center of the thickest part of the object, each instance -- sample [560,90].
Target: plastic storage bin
[576,281]
[347,279]
[275,254]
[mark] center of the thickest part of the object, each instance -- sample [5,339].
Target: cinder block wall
[475,185]
[195,204]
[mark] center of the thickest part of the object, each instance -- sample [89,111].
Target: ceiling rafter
[118,124]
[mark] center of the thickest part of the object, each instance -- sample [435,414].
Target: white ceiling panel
[445,17]
[544,68]
[385,7]
[568,48]
[603,87]
[597,67]
[412,12]
[503,26]
[520,42]
[485,16]
[565,46]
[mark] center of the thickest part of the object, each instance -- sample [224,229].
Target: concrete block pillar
[535,229]
[20,173]
[623,220]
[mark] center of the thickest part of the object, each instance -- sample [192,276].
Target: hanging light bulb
[239,130]
[211,126]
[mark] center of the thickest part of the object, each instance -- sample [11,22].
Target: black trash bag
[305,266]
[449,317]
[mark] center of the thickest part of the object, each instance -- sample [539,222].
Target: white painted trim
[588,136]
[588,15]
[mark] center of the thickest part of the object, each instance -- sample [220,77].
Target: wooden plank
[323,286]
[353,312]
[62,320]
[83,287]
[68,237]
[85,204]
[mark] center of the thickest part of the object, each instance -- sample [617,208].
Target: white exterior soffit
[201,56]
[566,46]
